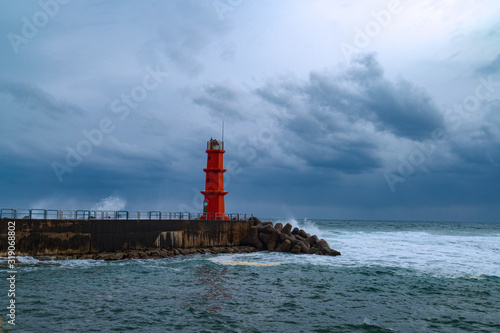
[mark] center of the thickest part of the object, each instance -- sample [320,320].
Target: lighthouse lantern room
[213,203]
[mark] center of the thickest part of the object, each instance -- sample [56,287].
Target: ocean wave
[443,255]
[27,263]
[462,255]
[419,251]
[308,225]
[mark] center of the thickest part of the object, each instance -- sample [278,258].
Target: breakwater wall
[38,237]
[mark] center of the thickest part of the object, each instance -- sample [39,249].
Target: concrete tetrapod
[279,238]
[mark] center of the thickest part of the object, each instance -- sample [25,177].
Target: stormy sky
[332,109]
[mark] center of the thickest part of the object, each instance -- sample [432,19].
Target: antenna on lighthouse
[223,131]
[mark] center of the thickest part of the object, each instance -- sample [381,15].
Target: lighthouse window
[208,180]
[209,158]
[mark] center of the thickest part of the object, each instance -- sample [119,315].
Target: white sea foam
[308,225]
[438,254]
[27,260]
[270,259]
[250,258]
[442,255]
[27,264]
[110,203]
[79,263]
[369,322]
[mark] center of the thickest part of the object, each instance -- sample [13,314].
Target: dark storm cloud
[363,92]
[336,120]
[35,121]
[478,148]
[281,92]
[32,97]
[223,101]
[325,138]
[491,68]
[404,110]
[350,158]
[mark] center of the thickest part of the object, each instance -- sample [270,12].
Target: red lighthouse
[213,203]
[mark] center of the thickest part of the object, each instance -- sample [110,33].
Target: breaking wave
[111,203]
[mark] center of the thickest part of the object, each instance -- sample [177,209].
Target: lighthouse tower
[213,203]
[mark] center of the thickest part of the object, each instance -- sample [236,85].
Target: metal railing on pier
[53,214]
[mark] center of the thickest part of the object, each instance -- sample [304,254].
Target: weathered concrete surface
[71,237]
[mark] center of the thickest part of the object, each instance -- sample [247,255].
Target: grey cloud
[350,158]
[336,119]
[35,98]
[364,70]
[223,101]
[34,121]
[491,68]
[331,142]
[280,92]
[317,143]
[478,147]
[190,29]
[363,92]
[404,110]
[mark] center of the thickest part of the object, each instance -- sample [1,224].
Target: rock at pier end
[279,238]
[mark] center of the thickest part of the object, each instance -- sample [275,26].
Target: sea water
[391,277]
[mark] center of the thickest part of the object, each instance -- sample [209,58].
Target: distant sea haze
[392,276]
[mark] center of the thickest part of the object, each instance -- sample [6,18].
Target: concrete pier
[38,237]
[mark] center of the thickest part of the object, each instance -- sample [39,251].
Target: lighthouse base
[214,217]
